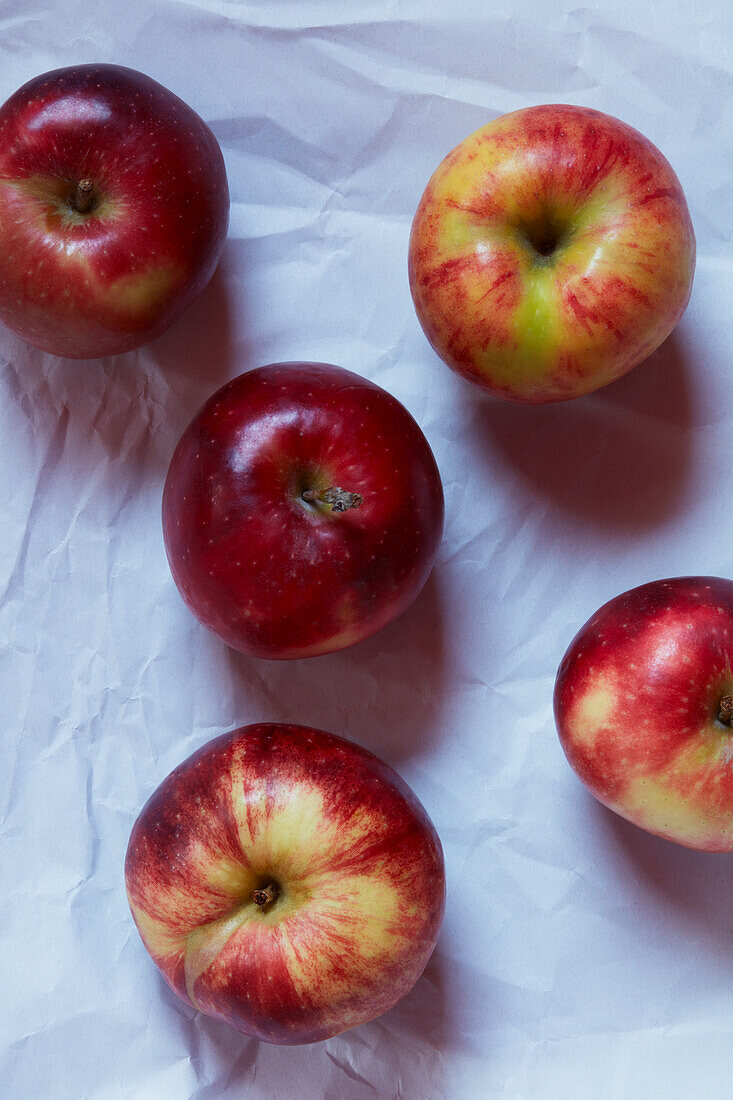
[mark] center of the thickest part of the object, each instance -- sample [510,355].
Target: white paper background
[579,957]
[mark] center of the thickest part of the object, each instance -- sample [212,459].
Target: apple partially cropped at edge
[287,882]
[114,208]
[551,252]
[302,510]
[643,705]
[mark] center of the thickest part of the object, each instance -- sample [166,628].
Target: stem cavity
[340,500]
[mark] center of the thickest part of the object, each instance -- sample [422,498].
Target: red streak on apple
[101,281]
[272,572]
[357,864]
[638,704]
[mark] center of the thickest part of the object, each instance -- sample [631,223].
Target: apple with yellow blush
[287,882]
[643,704]
[114,208]
[551,252]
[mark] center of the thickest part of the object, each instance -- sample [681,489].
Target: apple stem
[265,895]
[83,196]
[339,499]
[725,711]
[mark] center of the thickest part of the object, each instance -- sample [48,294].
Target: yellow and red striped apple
[551,252]
[643,704]
[114,208]
[287,882]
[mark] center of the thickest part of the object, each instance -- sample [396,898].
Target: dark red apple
[302,510]
[286,882]
[113,210]
[643,704]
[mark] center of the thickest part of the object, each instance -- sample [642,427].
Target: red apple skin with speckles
[275,575]
[110,278]
[353,860]
[638,709]
[551,252]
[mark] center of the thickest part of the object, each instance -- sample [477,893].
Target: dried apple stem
[83,196]
[339,499]
[725,710]
[265,895]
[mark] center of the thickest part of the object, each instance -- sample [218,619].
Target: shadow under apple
[422,1016]
[126,411]
[412,1037]
[197,354]
[691,886]
[617,458]
[386,693]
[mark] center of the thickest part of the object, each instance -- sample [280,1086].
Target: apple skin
[551,252]
[108,280]
[357,861]
[275,576]
[637,703]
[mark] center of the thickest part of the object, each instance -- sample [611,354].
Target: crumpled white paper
[579,956]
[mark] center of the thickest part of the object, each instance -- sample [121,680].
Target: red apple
[302,510]
[551,252]
[643,704]
[287,882]
[113,210]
